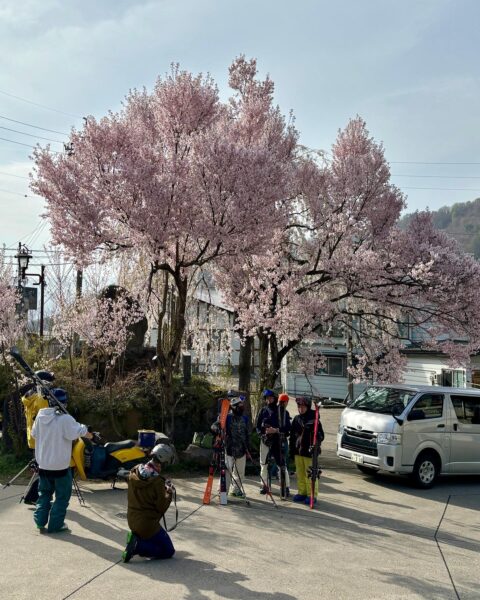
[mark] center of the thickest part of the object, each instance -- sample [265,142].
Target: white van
[419,430]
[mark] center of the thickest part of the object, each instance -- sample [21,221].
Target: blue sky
[410,69]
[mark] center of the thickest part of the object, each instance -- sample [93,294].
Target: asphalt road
[368,538]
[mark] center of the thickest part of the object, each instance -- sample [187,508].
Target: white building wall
[320,385]
[421,370]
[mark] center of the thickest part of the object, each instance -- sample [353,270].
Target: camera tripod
[33,465]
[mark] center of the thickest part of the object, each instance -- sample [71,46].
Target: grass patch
[10,465]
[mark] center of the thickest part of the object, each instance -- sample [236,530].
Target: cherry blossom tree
[11,326]
[341,260]
[12,329]
[101,322]
[176,175]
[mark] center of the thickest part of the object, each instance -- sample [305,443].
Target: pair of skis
[282,467]
[16,354]
[219,458]
[314,471]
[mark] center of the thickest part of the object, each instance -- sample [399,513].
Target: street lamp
[23,258]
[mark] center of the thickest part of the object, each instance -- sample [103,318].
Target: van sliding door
[427,430]
[465,436]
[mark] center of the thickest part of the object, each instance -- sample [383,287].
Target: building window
[404,330]
[453,378]
[335,367]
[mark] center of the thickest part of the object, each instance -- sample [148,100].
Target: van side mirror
[416,415]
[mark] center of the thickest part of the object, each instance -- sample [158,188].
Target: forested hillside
[461,221]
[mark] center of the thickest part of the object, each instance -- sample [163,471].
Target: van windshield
[383,400]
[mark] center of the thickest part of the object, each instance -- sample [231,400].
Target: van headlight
[389,438]
[340,429]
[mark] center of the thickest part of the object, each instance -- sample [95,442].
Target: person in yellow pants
[301,443]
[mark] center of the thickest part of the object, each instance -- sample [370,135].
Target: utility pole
[42,297]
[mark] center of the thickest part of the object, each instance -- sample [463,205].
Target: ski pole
[269,491]
[238,482]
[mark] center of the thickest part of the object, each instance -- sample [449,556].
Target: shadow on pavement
[202,576]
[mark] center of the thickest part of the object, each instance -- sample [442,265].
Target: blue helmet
[60,394]
[45,376]
[268,393]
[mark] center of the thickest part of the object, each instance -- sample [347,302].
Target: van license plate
[358,458]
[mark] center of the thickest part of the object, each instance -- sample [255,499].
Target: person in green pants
[54,432]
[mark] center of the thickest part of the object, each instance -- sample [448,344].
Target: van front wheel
[425,470]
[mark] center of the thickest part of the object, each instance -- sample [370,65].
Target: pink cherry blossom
[341,260]
[177,177]
[11,325]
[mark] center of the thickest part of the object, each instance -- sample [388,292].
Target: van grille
[363,441]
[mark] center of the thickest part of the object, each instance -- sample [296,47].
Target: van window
[467,409]
[431,405]
[383,400]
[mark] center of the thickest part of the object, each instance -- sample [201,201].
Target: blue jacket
[269,416]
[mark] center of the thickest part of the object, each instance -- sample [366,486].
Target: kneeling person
[149,496]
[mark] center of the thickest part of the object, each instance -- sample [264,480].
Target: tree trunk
[169,344]
[263,359]
[78,294]
[245,371]
[349,364]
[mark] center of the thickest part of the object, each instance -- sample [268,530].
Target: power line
[39,251]
[36,235]
[439,189]
[413,162]
[50,264]
[19,194]
[28,235]
[34,126]
[26,145]
[12,175]
[19,143]
[31,135]
[40,105]
[442,176]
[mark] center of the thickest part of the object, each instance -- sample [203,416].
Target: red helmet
[283,398]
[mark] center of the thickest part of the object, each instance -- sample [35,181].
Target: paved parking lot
[368,539]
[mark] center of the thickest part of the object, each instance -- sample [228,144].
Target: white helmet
[163,454]
[236,401]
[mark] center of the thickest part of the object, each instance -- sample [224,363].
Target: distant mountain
[461,221]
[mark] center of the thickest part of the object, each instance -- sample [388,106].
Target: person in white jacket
[54,432]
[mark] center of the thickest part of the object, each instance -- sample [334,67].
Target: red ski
[314,471]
